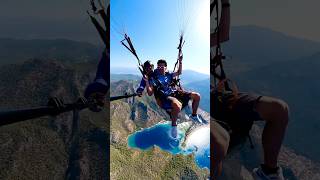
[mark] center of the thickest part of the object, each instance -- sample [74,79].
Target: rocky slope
[128,116]
[241,160]
[51,147]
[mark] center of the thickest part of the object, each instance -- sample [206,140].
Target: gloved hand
[95,94]
[139,92]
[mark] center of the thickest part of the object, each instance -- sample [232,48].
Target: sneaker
[196,118]
[258,174]
[174,132]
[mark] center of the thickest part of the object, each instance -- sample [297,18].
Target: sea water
[197,142]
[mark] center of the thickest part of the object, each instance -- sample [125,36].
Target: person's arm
[179,71]
[141,87]
[102,80]
[96,91]
[224,25]
[103,70]
[148,87]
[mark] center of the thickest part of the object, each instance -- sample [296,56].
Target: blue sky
[154,28]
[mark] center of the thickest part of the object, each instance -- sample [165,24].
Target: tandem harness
[224,95]
[165,89]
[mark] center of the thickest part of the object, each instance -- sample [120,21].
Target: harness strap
[130,47]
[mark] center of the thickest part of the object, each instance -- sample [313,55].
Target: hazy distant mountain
[18,50]
[187,76]
[251,47]
[202,87]
[54,19]
[118,77]
[125,70]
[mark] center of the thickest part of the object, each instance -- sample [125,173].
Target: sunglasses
[161,67]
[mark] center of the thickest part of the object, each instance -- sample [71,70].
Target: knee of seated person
[221,148]
[220,140]
[281,109]
[176,105]
[196,96]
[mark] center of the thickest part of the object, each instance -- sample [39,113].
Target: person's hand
[96,101]
[95,94]
[139,93]
[180,57]
[145,78]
